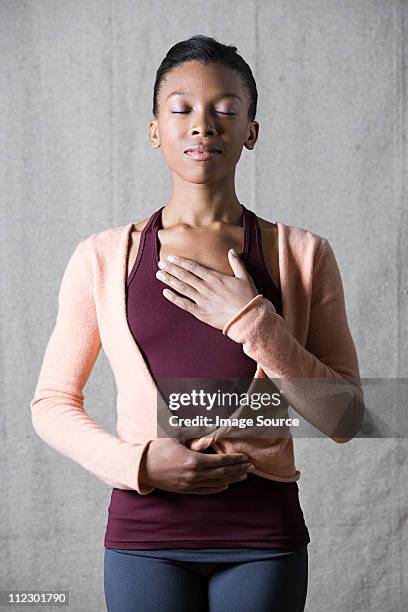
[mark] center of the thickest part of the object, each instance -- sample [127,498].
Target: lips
[201,155]
[204,152]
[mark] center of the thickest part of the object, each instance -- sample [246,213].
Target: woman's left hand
[212,297]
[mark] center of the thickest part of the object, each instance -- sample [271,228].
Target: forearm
[57,408]
[265,338]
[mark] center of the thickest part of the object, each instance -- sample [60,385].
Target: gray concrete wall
[76,83]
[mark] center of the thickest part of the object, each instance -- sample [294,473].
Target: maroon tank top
[253,513]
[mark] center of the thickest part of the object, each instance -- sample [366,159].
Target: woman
[211,521]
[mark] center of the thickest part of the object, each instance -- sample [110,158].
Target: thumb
[236,264]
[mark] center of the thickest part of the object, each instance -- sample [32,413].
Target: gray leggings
[136,581]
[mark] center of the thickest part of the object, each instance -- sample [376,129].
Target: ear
[253,134]
[154,133]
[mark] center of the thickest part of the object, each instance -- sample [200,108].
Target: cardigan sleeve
[57,408]
[329,356]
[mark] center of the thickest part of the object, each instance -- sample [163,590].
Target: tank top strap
[154,223]
[247,231]
[254,247]
[250,251]
[148,236]
[257,243]
[255,257]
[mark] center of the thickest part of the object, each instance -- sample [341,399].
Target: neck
[200,205]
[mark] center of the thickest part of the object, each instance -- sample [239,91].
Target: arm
[57,409]
[329,355]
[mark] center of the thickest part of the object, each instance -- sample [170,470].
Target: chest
[209,248]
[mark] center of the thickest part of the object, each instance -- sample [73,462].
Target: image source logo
[265,407]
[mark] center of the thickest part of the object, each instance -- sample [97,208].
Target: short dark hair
[206,50]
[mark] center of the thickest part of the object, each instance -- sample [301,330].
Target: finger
[181,302]
[178,285]
[193,267]
[182,274]
[220,459]
[237,265]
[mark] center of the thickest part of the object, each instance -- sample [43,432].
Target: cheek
[170,143]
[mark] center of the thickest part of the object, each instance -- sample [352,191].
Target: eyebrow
[187,93]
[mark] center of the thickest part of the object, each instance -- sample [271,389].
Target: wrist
[240,312]
[143,476]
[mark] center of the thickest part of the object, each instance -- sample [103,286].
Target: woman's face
[203,114]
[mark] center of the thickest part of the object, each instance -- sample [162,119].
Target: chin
[199,178]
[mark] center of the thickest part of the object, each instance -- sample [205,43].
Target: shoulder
[100,247]
[104,238]
[311,252]
[111,235]
[292,231]
[135,231]
[138,227]
[299,240]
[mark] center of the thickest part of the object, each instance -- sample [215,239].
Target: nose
[205,130]
[203,126]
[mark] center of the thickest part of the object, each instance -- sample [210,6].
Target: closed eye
[184,112]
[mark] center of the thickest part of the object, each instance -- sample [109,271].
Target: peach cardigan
[311,340]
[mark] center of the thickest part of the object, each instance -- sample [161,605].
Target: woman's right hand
[167,464]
